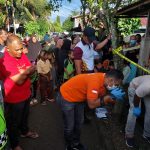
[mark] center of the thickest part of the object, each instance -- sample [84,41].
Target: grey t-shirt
[141,85]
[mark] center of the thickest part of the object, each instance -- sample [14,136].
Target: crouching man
[139,88]
[90,88]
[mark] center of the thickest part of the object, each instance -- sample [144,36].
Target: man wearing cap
[85,50]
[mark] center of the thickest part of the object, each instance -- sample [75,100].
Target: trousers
[131,119]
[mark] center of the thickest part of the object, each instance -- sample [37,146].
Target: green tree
[44,26]
[2,18]
[39,27]
[32,27]
[67,24]
[29,10]
[104,11]
[57,25]
[127,26]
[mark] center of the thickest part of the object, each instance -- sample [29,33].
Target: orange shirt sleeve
[93,90]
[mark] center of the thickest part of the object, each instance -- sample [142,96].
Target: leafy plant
[127,26]
[32,27]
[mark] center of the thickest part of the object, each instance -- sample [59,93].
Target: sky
[66,9]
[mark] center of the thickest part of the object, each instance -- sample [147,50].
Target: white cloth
[141,85]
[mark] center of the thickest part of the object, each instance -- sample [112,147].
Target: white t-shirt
[141,85]
[88,54]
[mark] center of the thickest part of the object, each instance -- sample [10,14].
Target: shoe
[130,142]
[79,147]
[68,147]
[50,100]
[146,138]
[87,120]
[33,102]
[44,103]
[18,148]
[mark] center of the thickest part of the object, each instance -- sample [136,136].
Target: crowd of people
[80,69]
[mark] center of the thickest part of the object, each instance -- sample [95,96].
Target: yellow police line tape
[117,50]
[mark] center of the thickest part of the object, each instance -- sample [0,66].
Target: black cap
[90,33]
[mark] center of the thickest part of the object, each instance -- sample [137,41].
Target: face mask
[132,42]
[111,87]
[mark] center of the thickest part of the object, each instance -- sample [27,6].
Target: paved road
[47,121]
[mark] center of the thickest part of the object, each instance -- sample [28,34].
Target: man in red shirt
[15,70]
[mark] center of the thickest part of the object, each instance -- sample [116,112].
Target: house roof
[80,16]
[137,9]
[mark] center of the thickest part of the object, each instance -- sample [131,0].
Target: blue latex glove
[117,94]
[136,111]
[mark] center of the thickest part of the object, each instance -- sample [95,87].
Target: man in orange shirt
[90,88]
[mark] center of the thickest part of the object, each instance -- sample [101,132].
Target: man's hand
[109,36]
[29,70]
[108,100]
[136,111]
[117,94]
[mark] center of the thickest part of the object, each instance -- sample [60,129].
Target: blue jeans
[73,116]
[131,120]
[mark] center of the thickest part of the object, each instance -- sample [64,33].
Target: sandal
[50,100]
[30,134]
[44,103]
[17,148]
[33,102]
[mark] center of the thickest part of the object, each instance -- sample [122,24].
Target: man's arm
[141,91]
[78,64]
[93,95]
[103,43]
[78,59]
[21,77]
[100,102]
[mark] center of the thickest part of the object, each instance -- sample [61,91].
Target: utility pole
[8,18]
[13,16]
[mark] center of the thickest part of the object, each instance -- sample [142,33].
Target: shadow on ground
[47,121]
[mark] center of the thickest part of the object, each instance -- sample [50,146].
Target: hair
[111,63]
[126,63]
[12,38]
[117,74]
[106,63]
[70,51]
[72,38]
[66,45]
[42,51]
[139,37]
[1,31]
[98,61]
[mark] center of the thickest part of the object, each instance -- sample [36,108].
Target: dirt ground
[100,134]
[47,121]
